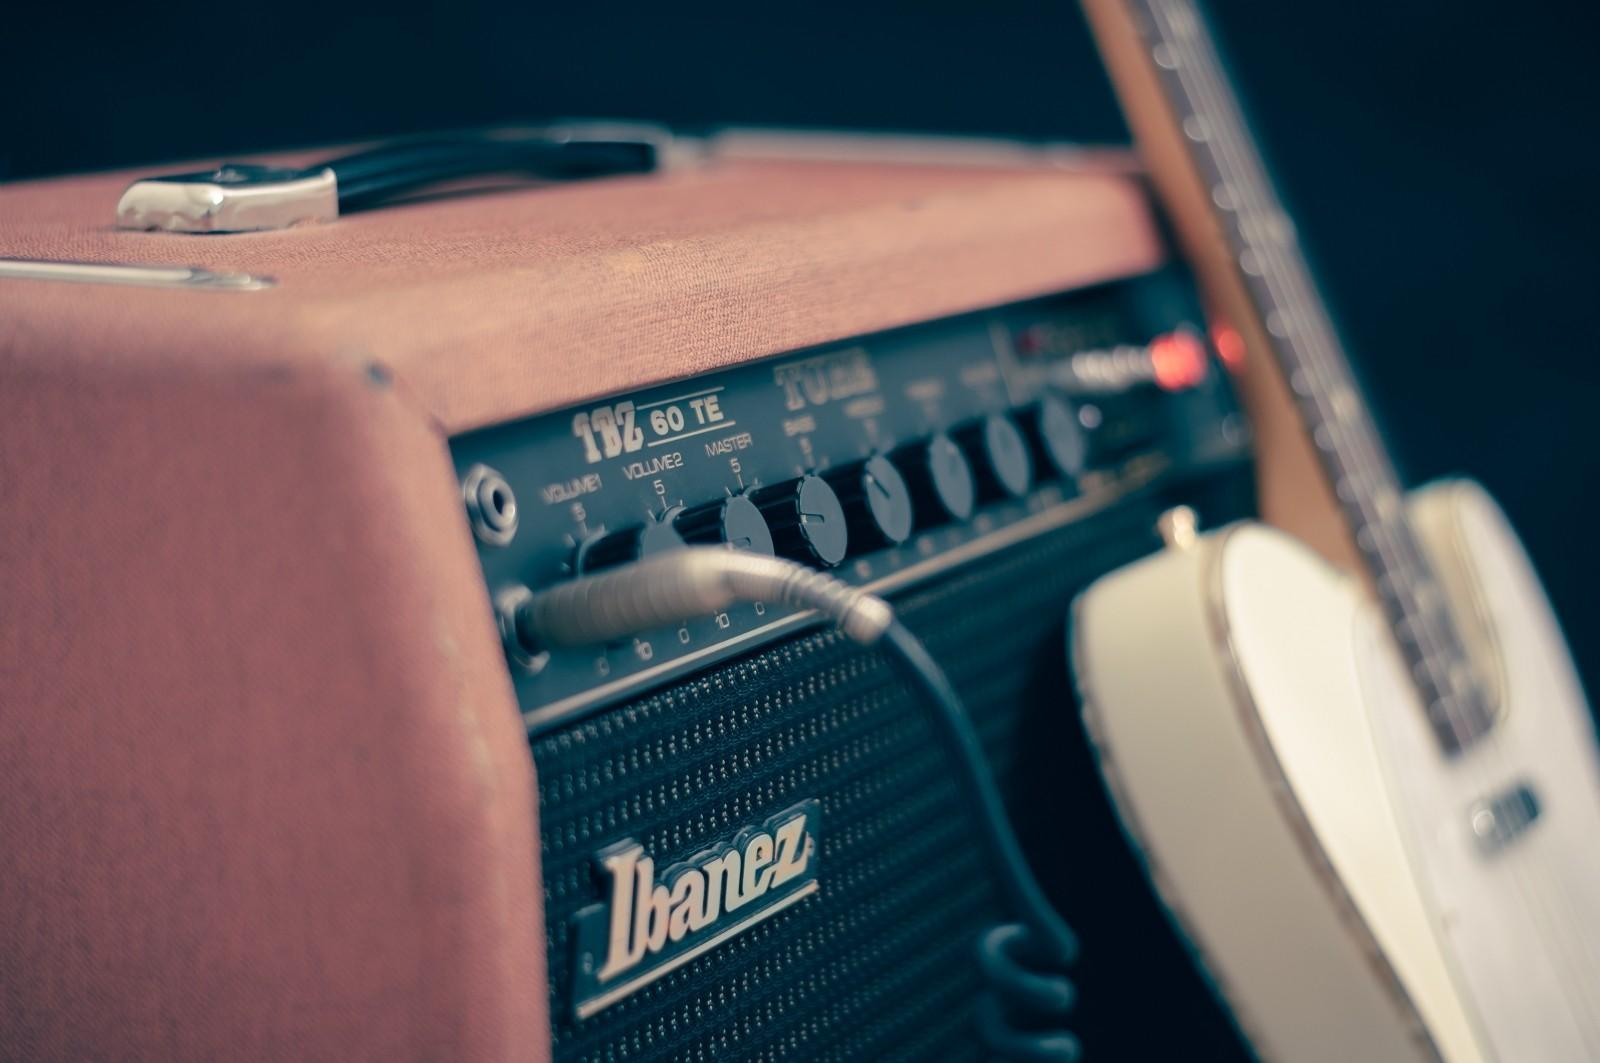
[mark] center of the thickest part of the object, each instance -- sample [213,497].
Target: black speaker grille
[879,964]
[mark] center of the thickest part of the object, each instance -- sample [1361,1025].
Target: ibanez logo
[648,927]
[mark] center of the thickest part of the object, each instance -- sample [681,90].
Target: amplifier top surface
[499,304]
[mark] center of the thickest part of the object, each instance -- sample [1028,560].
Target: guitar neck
[1212,179]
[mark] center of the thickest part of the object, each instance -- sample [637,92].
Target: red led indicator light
[1179,360]
[1229,345]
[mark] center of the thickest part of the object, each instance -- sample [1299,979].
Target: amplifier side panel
[265,792]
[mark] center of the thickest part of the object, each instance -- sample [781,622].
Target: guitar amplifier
[281,778]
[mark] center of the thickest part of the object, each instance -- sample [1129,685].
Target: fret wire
[1388,541]
[1357,431]
[1313,352]
[1357,435]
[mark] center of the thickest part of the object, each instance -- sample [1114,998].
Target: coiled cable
[1027,993]
[1023,963]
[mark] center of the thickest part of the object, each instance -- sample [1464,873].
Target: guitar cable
[1027,994]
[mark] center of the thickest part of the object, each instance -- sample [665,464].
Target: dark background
[1440,159]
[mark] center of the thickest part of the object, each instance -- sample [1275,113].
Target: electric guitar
[1363,777]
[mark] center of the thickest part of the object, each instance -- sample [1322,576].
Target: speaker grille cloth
[880,963]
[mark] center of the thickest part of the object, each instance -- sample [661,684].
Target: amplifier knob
[1060,444]
[999,455]
[637,541]
[806,519]
[734,521]
[940,480]
[876,501]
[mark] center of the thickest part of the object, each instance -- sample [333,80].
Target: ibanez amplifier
[294,490]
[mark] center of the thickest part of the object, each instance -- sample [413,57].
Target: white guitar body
[1353,892]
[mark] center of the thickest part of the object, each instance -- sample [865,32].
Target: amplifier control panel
[884,459]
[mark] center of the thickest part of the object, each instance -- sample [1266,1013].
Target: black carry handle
[235,198]
[368,178]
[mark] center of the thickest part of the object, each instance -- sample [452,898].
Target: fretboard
[1292,315]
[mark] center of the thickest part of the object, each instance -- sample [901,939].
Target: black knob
[999,456]
[1059,442]
[806,519]
[637,541]
[876,501]
[940,480]
[734,521]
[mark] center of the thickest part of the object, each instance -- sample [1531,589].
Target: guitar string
[1347,446]
[1429,649]
[1382,534]
[1556,943]
[1559,946]
[1287,271]
[1242,189]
